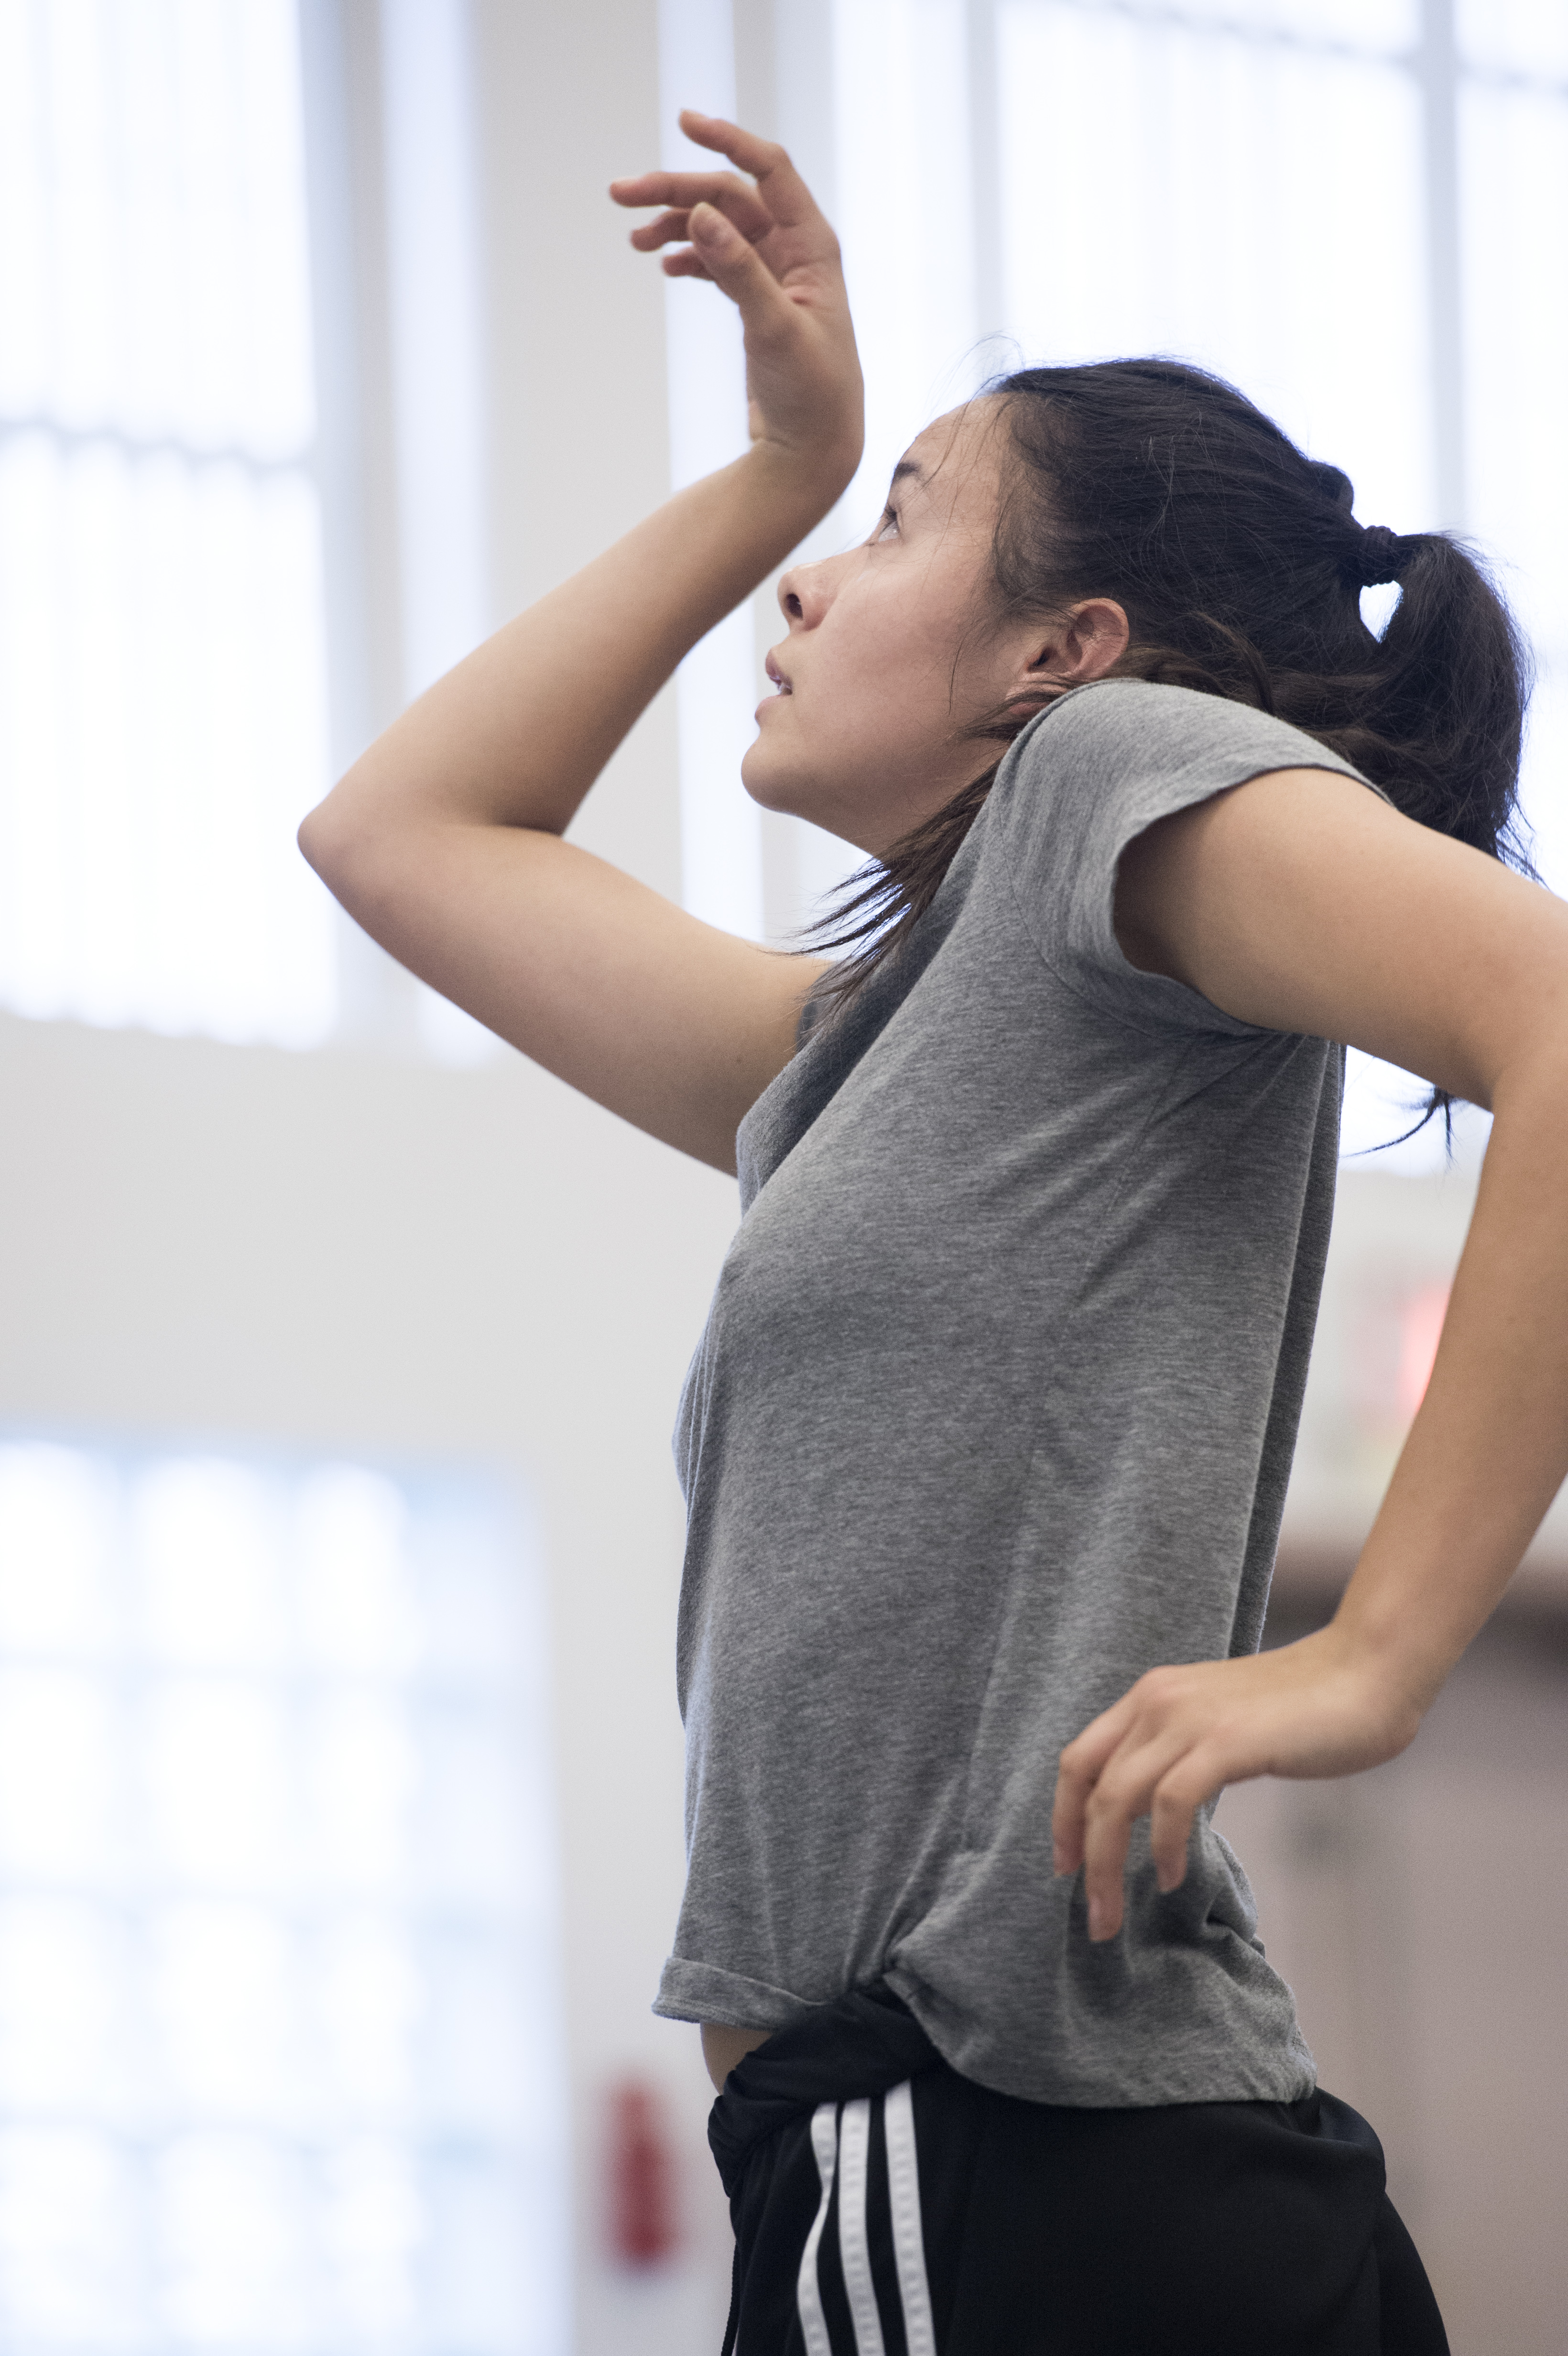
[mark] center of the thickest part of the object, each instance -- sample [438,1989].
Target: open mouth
[779,681]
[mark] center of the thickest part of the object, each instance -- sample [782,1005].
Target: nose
[806,591]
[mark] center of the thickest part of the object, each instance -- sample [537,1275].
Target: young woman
[986,1442]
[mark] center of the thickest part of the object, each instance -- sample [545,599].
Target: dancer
[986,1442]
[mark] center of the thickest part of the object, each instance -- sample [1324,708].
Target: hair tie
[1378,555]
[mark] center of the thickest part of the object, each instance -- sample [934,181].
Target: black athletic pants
[884,2206]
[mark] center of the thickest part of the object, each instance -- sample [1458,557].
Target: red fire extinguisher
[642,2230]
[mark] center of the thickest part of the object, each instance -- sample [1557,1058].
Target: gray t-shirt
[994,1411]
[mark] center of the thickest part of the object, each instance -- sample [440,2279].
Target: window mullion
[1437,67]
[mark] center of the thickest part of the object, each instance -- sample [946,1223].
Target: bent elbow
[309,836]
[327,843]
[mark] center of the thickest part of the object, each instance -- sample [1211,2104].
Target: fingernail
[1096,1918]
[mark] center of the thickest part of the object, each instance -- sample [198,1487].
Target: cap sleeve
[1097,768]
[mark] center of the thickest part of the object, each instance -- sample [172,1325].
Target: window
[277,2047]
[162,690]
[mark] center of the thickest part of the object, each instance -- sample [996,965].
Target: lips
[779,681]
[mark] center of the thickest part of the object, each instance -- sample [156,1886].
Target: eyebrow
[907,466]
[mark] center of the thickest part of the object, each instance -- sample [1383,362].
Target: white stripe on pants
[854,2256]
[908,2241]
[843,2151]
[824,2143]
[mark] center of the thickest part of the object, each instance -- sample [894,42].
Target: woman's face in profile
[892,651]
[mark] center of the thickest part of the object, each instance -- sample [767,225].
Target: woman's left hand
[1320,1706]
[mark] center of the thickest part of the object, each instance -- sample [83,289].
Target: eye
[888,526]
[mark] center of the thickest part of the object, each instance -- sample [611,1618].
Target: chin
[769,790]
[773,787]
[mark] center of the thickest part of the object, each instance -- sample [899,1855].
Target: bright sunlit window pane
[162,686]
[277,2046]
[1514,158]
[1521,36]
[904,194]
[1376,25]
[1169,196]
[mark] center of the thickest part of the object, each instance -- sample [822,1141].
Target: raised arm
[445,839]
[1302,903]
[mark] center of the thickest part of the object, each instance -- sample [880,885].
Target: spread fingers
[679,191]
[789,199]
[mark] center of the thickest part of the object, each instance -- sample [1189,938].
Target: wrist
[806,483]
[1396,1677]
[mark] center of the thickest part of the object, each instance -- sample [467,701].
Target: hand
[764,243]
[1321,1707]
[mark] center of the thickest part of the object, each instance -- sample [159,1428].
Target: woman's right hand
[764,243]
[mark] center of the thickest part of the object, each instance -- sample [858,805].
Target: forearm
[1329,914]
[1489,1449]
[515,734]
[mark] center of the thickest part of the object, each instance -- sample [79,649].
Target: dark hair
[1240,566]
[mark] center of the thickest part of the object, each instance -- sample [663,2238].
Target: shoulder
[1096,771]
[1135,727]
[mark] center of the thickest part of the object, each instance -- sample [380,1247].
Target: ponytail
[1439,724]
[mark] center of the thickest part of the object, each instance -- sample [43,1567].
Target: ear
[1087,641]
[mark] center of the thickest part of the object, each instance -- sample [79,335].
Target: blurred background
[339,1765]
